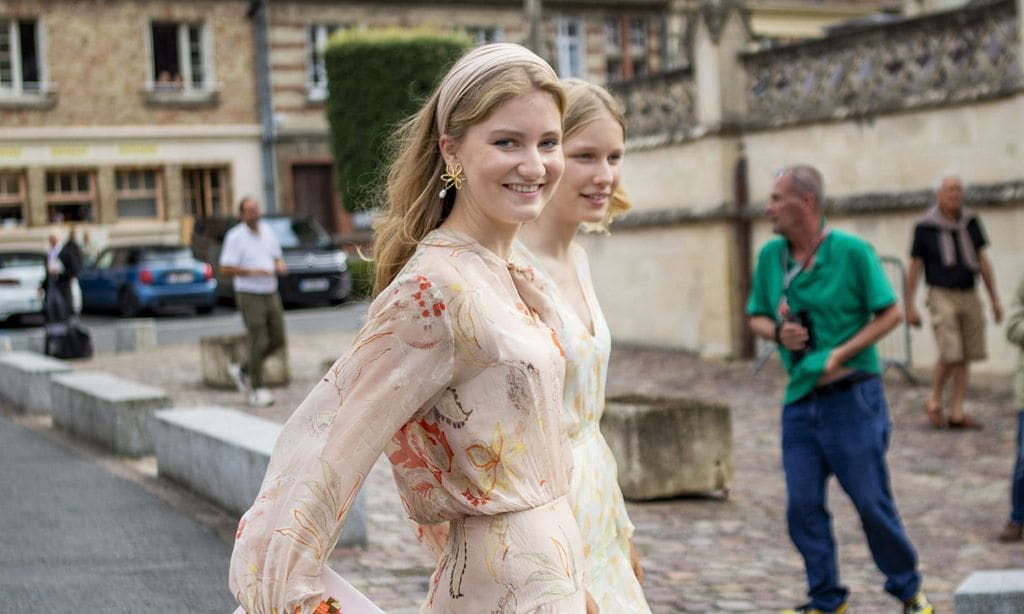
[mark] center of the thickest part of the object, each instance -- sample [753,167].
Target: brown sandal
[966,423]
[935,417]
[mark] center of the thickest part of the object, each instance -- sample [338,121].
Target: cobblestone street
[705,554]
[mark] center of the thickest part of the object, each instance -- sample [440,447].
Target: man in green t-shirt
[822,296]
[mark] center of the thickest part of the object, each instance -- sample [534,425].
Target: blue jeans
[846,434]
[1017,488]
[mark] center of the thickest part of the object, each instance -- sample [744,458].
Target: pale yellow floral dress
[594,493]
[458,380]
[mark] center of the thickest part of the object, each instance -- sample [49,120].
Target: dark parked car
[317,270]
[135,278]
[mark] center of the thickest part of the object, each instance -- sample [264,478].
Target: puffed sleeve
[401,361]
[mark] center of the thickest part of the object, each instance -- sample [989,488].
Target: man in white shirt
[252,256]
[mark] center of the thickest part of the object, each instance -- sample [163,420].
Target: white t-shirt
[246,249]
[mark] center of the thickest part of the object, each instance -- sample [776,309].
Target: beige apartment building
[127,116]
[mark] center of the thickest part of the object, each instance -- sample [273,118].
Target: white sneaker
[239,378]
[261,397]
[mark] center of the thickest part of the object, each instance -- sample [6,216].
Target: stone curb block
[669,447]
[25,380]
[106,409]
[991,592]
[223,455]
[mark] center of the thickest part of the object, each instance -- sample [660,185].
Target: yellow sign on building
[68,151]
[137,149]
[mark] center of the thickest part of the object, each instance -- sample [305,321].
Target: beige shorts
[959,324]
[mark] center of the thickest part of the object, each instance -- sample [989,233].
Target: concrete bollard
[135,335]
[669,447]
[217,352]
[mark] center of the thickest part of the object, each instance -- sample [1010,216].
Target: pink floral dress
[458,380]
[594,495]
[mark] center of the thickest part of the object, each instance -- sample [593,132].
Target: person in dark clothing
[71,258]
[63,264]
[65,336]
[56,283]
[949,247]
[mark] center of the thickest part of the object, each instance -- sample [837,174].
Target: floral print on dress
[460,387]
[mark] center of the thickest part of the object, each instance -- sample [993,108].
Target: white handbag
[351,600]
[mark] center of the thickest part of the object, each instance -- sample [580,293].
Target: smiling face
[593,165]
[512,161]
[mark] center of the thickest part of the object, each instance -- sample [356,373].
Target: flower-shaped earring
[451,178]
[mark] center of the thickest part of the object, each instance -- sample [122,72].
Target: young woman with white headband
[456,376]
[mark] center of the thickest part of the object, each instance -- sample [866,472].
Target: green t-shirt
[842,291]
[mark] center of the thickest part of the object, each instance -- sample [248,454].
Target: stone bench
[25,380]
[223,455]
[991,592]
[217,352]
[106,409]
[669,447]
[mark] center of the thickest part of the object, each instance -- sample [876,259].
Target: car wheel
[128,304]
[204,309]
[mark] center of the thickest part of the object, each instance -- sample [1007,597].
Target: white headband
[475,66]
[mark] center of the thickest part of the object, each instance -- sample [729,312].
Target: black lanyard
[791,274]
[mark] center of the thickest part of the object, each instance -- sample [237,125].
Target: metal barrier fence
[894,349]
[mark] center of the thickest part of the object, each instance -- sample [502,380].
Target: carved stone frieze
[959,56]
[992,195]
[660,107]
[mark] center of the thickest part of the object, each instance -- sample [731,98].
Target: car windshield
[298,233]
[167,255]
[17,260]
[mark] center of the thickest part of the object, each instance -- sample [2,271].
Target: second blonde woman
[588,194]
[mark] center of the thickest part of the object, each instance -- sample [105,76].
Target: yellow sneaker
[807,609]
[918,605]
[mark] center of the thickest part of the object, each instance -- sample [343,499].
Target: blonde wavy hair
[483,80]
[587,102]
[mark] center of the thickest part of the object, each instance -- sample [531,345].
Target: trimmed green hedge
[376,79]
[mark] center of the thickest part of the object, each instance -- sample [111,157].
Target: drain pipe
[743,238]
[258,15]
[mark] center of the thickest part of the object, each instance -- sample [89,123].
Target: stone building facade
[883,111]
[175,121]
[126,115]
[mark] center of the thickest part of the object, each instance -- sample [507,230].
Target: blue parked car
[136,278]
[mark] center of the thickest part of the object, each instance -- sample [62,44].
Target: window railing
[181,95]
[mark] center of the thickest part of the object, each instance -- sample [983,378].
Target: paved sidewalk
[76,538]
[706,555]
